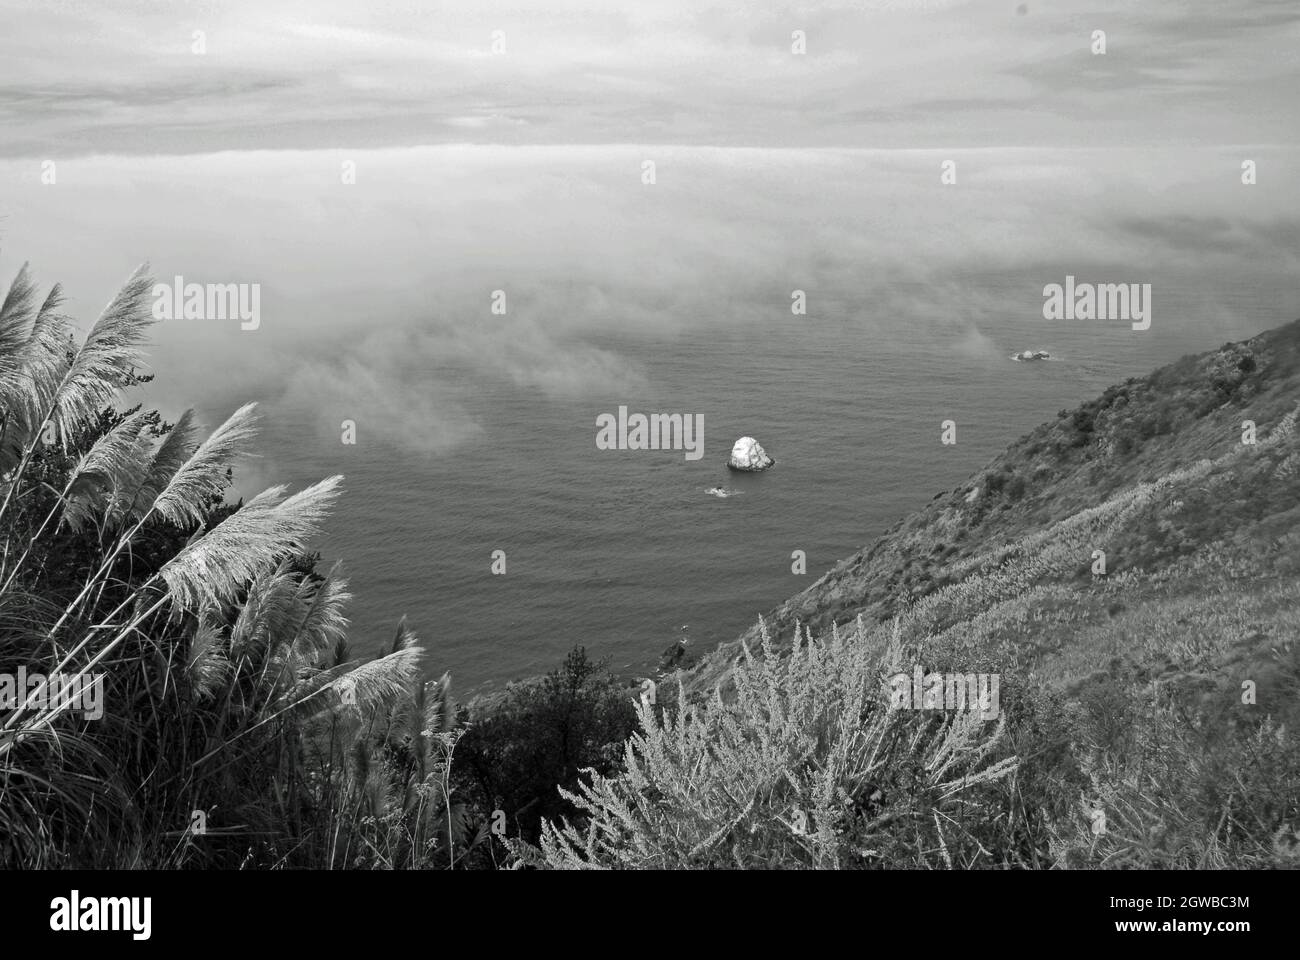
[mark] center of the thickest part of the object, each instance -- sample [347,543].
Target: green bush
[538,736]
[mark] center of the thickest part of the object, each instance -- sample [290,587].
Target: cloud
[483,122]
[120,76]
[376,296]
[412,415]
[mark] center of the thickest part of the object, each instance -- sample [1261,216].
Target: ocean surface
[476,431]
[618,550]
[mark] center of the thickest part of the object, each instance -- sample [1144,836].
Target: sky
[122,76]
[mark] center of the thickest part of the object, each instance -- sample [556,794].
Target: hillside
[1148,709]
[1214,539]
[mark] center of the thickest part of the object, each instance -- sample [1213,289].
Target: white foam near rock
[747,454]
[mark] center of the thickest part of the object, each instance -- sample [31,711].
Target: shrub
[1186,795]
[538,736]
[1015,488]
[803,764]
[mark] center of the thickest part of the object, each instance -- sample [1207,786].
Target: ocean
[618,550]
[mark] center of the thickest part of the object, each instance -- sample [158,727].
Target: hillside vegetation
[1149,706]
[1134,433]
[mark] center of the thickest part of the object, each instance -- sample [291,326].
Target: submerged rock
[747,454]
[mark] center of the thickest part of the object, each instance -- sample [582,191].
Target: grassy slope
[1148,715]
[1201,582]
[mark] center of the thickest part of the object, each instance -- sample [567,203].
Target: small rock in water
[747,454]
[675,656]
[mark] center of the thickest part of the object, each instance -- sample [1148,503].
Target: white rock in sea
[748,455]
